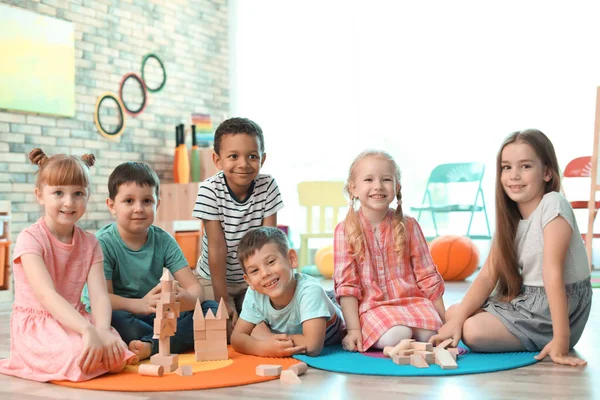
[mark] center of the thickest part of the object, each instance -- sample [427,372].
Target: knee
[473,336]
[121,317]
[209,305]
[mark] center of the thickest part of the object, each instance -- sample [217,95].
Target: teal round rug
[335,359]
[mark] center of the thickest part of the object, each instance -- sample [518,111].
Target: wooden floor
[541,380]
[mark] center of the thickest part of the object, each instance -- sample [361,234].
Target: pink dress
[390,291]
[41,349]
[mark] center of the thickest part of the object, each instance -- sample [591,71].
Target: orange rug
[240,369]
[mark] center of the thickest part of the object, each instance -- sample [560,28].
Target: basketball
[456,257]
[324,261]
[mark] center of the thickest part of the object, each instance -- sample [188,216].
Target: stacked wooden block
[210,333]
[289,375]
[421,355]
[165,323]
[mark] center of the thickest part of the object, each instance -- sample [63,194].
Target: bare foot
[261,332]
[141,349]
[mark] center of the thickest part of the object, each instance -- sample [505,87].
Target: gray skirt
[527,316]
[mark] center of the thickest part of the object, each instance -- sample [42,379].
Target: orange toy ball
[456,257]
[324,261]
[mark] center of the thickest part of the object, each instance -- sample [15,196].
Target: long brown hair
[352,228]
[503,254]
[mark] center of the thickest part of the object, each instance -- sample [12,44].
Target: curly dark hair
[233,126]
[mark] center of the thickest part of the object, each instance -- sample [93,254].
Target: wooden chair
[581,167]
[324,195]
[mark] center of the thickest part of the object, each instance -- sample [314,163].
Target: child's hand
[451,329]
[91,356]
[558,350]
[353,341]
[281,345]
[114,349]
[233,315]
[147,304]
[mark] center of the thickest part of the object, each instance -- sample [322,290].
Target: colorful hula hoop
[117,132]
[164,72]
[136,77]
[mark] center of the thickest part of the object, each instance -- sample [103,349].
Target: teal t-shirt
[135,272]
[309,301]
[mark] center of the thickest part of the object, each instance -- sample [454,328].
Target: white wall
[429,81]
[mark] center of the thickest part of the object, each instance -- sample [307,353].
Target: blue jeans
[141,327]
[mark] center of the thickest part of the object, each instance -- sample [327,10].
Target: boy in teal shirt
[135,253]
[299,314]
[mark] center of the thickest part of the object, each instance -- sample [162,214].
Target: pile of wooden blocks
[289,375]
[421,355]
[210,333]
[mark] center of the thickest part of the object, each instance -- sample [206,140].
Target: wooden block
[168,297]
[289,376]
[199,324]
[151,370]
[199,335]
[401,360]
[170,368]
[215,324]
[268,370]
[164,346]
[166,286]
[417,360]
[222,310]
[427,355]
[444,359]
[453,352]
[421,346]
[444,344]
[216,334]
[388,351]
[299,369]
[184,370]
[405,353]
[165,361]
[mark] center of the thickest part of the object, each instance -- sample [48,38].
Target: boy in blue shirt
[135,253]
[300,315]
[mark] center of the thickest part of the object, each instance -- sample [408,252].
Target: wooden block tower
[165,323]
[210,333]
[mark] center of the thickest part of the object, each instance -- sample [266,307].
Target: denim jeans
[141,327]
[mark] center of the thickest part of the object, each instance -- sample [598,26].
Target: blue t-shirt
[309,301]
[135,272]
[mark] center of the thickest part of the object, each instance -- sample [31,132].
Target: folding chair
[454,176]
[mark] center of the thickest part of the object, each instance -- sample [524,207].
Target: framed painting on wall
[37,63]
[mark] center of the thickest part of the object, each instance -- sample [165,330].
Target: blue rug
[335,359]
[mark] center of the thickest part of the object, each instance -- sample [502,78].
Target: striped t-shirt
[215,201]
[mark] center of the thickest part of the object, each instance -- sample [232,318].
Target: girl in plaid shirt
[384,276]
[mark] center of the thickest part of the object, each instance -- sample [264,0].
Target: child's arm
[43,287]
[353,340]
[476,295]
[271,220]
[312,337]
[557,237]
[143,306]
[279,345]
[217,263]
[192,289]
[102,313]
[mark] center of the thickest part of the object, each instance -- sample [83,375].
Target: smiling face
[134,207]
[523,176]
[63,205]
[374,184]
[240,159]
[271,273]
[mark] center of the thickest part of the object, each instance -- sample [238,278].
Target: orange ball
[324,261]
[456,257]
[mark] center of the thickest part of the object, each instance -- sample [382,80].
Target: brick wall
[111,37]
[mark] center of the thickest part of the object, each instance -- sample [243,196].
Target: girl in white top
[537,267]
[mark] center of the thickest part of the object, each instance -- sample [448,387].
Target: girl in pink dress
[384,276]
[52,336]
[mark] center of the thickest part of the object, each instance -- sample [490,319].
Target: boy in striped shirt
[232,202]
[300,316]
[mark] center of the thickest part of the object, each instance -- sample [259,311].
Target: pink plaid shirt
[390,291]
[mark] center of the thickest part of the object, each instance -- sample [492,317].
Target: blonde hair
[61,169]
[352,228]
